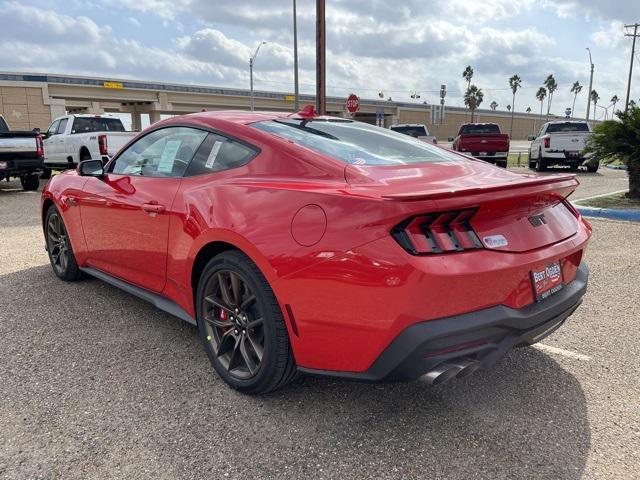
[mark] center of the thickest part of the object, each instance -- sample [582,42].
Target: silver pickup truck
[21,156]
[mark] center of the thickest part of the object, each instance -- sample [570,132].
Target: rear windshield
[93,124]
[415,131]
[479,129]
[567,127]
[356,142]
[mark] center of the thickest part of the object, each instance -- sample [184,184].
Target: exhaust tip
[442,373]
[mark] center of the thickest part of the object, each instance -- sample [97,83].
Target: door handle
[153,208]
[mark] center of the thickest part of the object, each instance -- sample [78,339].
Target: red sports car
[304,243]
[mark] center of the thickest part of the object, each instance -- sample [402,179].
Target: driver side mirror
[531,138]
[91,168]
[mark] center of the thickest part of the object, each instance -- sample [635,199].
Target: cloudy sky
[398,46]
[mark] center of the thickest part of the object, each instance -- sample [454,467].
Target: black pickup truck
[21,156]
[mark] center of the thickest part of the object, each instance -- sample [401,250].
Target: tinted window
[219,153]
[567,127]
[356,142]
[63,125]
[412,131]
[53,128]
[4,128]
[97,124]
[479,129]
[161,153]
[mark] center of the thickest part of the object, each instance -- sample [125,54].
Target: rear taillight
[434,233]
[102,144]
[39,146]
[547,142]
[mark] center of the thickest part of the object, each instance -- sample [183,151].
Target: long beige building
[33,100]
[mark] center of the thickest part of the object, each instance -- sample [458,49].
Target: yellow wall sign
[289,98]
[115,85]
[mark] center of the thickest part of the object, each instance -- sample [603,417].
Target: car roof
[244,117]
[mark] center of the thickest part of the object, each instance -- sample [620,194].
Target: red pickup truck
[484,141]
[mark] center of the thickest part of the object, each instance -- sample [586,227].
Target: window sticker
[168,156]
[213,155]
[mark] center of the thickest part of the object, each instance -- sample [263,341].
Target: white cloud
[611,37]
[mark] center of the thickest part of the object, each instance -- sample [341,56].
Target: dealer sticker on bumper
[547,281]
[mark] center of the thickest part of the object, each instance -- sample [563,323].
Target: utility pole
[296,92]
[633,51]
[590,87]
[321,73]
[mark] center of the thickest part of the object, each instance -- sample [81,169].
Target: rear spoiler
[555,182]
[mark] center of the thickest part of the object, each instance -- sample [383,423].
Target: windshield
[97,124]
[414,131]
[567,127]
[479,129]
[356,143]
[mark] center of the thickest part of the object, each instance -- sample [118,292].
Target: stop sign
[353,103]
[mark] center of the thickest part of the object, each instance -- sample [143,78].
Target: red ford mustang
[300,243]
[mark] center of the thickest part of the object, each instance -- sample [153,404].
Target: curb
[616,167]
[630,215]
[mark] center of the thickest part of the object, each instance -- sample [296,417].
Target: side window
[53,128]
[541,132]
[62,126]
[161,153]
[219,153]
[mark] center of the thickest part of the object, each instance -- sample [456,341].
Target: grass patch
[512,160]
[617,200]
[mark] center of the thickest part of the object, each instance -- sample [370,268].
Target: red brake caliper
[223,317]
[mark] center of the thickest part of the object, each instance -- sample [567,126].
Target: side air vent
[437,233]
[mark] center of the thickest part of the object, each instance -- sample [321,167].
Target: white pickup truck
[74,138]
[561,143]
[415,130]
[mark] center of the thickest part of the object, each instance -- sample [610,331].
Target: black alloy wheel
[234,323]
[241,325]
[59,248]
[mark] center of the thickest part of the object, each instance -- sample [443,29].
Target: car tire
[593,168]
[251,355]
[532,163]
[46,174]
[502,163]
[30,182]
[541,165]
[61,256]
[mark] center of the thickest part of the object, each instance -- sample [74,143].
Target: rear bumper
[20,166]
[485,335]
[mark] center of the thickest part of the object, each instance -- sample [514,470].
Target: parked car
[484,141]
[21,154]
[301,243]
[415,130]
[561,143]
[73,138]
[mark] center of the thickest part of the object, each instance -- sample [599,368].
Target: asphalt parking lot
[98,384]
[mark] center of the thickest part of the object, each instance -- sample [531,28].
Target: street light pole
[296,92]
[252,59]
[590,86]
[321,79]
[633,50]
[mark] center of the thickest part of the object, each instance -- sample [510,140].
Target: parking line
[561,351]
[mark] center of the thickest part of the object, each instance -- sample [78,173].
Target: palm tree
[515,82]
[509,108]
[619,139]
[614,100]
[528,110]
[473,98]
[594,98]
[552,86]
[540,95]
[576,88]
[468,75]
[493,105]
